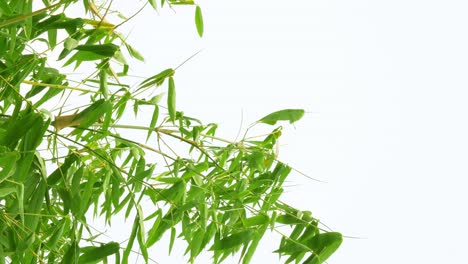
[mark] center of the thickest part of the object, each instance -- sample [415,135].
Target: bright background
[384,86]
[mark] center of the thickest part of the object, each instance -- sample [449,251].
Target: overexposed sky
[385,89]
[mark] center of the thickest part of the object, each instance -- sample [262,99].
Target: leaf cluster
[62,166]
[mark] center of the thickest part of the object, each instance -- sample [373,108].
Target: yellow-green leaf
[199,21]
[157,79]
[153,3]
[171,99]
[291,115]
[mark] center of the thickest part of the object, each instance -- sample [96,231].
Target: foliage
[57,170]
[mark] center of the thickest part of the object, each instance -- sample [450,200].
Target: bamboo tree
[60,167]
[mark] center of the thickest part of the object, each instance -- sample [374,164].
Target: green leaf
[232,240]
[153,3]
[291,115]
[81,56]
[324,245]
[134,53]
[52,36]
[18,128]
[106,50]
[61,173]
[2,255]
[291,247]
[47,96]
[5,191]
[95,254]
[71,256]
[154,120]
[157,79]
[181,2]
[66,197]
[52,242]
[288,219]
[195,244]
[103,88]
[131,240]
[260,219]
[253,245]
[199,21]
[118,56]
[153,233]
[171,99]
[34,206]
[171,242]
[141,235]
[7,162]
[92,113]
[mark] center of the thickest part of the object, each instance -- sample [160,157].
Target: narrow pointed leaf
[131,240]
[199,21]
[95,254]
[157,79]
[256,220]
[153,3]
[154,120]
[141,235]
[171,99]
[171,242]
[291,115]
[232,240]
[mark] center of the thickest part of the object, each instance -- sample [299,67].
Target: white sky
[384,84]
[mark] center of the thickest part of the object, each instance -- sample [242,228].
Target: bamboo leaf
[21,18]
[152,234]
[62,171]
[154,120]
[52,242]
[232,240]
[106,50]
[288,219]
[171,241]
[157,79]
[91,114]
[131,240]
[291,115]
[253,245]
[5,191]
[95,254]
[71,256]
[153,3]
[260,219]
[134,53]
[195,244]
[7,162]
[199,21]
[52,36]
[34,207]
[141,234]
[324,246]
[171,100]
[81,56]
[103,88]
